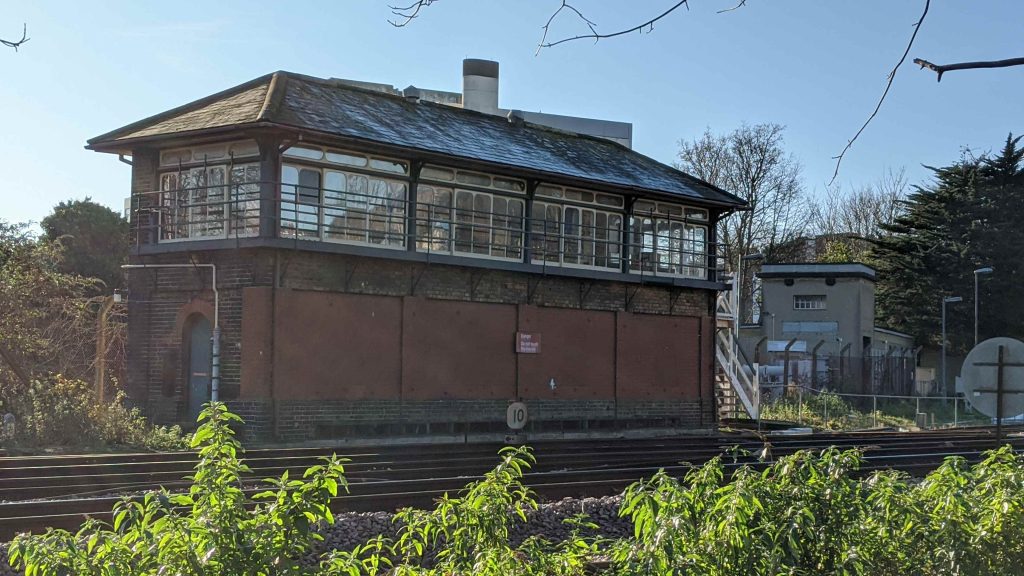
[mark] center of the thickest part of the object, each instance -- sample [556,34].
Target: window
[664,241]
[342,158]
[809,302]
[208,154]
[575,235]
[472,179]
[335,205]
[209,201]
[477,223]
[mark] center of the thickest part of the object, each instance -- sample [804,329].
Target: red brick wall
[658,357]
[457,350]
[336,346]
[577,350]
[439,333]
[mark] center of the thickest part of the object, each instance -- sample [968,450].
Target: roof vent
[412,94]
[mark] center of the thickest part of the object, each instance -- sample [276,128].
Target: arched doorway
[198,347]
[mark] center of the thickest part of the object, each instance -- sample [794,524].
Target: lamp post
[979,271]
[739,288]
[946,300]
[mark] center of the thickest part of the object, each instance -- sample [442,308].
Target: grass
[831,411]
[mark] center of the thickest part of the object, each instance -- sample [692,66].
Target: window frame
[195,210]
[563,236]
[289,202]
[810,302]
[455,223]
[671,217]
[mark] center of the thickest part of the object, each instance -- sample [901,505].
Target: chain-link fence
[844,411]
[886,373]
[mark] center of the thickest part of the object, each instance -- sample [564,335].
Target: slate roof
[296,101]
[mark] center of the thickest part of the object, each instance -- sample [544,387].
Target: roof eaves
[128,143]
[112,135]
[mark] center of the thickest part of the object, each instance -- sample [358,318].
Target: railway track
[60,491]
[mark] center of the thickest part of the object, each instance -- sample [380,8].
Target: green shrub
[62,412]
[209,530]
[806,514]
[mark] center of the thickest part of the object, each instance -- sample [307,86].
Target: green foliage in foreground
[807,514]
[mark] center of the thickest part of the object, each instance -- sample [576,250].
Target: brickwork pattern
[155,331]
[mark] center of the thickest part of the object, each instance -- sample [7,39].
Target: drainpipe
[215,338]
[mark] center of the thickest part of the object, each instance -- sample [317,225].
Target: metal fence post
[800,405]
[956,404]
[874,411]
[826,412]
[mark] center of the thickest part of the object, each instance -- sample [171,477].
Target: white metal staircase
[736,380]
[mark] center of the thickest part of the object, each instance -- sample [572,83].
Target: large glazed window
[211,201]
[668,239]
[575,236]
[342,206]
[456,221]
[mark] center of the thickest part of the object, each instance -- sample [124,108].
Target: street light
[985,270]
[946,300]
[739,288]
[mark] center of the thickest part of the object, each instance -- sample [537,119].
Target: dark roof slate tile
[330,107]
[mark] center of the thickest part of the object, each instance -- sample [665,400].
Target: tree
[967,219]
[751,162]
[94,240]
[848,221]
[45,321]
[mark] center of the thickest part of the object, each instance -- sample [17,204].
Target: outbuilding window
[809,302]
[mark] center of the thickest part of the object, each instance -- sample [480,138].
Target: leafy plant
[60,411]
[215,528]
[805,514]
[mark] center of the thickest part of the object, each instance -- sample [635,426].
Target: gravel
[352,528]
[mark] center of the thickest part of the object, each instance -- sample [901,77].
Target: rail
[414,476]
[742,376]
[501,230]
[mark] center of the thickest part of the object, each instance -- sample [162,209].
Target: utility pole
[101,346]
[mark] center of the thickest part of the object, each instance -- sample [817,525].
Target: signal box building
[377,263]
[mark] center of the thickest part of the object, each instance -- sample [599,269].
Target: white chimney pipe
[480,85]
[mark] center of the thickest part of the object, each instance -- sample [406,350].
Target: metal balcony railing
[234,211]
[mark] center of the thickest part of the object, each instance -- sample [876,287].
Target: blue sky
[815,66]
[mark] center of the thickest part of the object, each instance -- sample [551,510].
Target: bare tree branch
[939,69]
[408,13]
[16,43]
[648,26]
[741,4]
[547,25]
[892,76]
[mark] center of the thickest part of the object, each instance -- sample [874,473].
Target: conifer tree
[969,217]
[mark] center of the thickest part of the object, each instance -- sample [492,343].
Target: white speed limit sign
[516,415]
